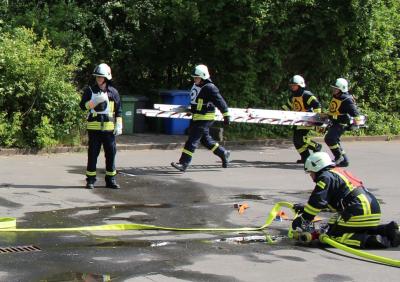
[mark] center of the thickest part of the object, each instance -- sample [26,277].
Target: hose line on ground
[9,224]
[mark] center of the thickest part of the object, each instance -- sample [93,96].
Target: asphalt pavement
[46,190]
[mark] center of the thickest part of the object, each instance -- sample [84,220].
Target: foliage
[378,123]
[35,91]
[252,48]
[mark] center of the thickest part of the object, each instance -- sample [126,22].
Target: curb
[179,145]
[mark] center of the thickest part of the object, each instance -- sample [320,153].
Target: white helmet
[201,71]
[298,80]
[341,84]
[318,161]
[103,70]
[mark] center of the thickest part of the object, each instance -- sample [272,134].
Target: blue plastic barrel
[176,126]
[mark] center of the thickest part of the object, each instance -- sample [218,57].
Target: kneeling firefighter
[357,217]
[104,122]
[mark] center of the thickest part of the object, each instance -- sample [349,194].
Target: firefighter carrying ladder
[261,116]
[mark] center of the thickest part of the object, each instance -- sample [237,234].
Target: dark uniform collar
[299,92]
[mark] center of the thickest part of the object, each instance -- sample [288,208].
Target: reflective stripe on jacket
[103,116]
[208,98]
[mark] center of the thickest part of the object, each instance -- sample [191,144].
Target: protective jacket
[303,101]
[355,205]
[208,98]
[103,116]
[342,108]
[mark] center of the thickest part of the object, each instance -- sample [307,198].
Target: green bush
[36,91]
[10,129]
[382,123]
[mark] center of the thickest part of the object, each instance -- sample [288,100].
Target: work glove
[357,120]
[301,223]
[97,99]
[320,129]
[118,127]
[227,120]
[298,208]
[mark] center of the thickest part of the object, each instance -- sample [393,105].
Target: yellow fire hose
[325,239]
[9,224]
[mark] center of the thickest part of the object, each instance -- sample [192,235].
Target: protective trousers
[96,139]
[358,225]
[200,132]
[303,143]
[332,139]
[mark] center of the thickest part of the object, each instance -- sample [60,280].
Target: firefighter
[342,112]
[357,211]
[104,122]
[302,100]
[205,97]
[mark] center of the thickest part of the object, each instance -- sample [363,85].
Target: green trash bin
[128,112]
[131,121]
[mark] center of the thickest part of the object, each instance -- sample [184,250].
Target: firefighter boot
[111,182]
[179,166]
[342,161]
[377,241]
[223,155]
[225,159]
[90,180]
[393,234]
[318,147]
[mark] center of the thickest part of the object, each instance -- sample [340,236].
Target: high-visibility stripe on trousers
[199,132]
[96,140]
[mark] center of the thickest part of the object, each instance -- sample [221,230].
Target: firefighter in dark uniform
[205,98]
[302,100]
[104,122]
[342,109]
[357,211]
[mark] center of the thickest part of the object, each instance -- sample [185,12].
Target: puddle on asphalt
[167,202]
[142,199]
[295,192]
[79,277]
[333,277]
[238,240]
[92,215]
[133,244]
[268,239]
[249,197]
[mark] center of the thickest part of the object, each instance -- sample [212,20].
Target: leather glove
[298,208]
[118,127]
[320,129]
[300,222]
[357,120]
[227,120]
[97,99]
